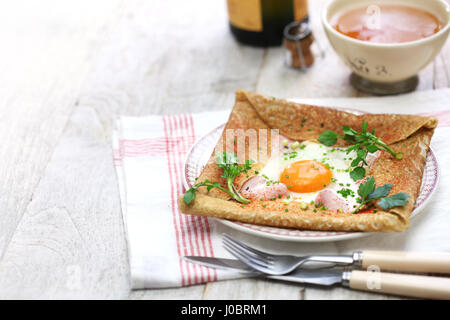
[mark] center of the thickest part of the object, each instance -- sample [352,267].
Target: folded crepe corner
[409,134]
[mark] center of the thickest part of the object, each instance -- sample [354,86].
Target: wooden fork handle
[401,284]
[430,262]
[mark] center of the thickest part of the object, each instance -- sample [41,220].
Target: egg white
[337,159]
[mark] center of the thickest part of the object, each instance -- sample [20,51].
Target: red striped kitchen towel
[149,154]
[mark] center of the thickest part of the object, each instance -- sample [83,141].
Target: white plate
[200,152]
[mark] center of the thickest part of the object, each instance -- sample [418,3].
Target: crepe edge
[208,206]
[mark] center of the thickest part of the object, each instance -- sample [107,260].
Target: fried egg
[311,168]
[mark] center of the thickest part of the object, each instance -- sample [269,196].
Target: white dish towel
[149,153]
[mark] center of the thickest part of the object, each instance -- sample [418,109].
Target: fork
[278,264]
[273,264]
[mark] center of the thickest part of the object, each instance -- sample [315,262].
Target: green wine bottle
[261,22]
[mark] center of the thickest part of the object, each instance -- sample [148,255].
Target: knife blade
[325,277]
[416,286]
[220,263]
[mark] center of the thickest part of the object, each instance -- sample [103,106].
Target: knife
[371,280]
[310,276]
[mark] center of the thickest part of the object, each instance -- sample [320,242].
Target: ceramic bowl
[381,62]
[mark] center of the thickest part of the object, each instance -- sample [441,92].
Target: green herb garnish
[231,170]
[363,143]
[346,192]
[369,193]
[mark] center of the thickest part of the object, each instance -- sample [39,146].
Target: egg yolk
[306,176]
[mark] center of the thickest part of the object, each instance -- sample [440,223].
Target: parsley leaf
[369,193]
[349,131]
[328,138]
[380,192]
[396,200]
[372,148]
[362,143]
[358,173]
[364,126]
[189,196]
[231,169]
[366,188]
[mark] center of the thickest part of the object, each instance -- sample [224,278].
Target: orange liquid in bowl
[387,24]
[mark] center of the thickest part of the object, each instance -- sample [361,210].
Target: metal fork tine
[238,255]
[249,259]
[248,252]
[249,255]
[244,259]
[243,245]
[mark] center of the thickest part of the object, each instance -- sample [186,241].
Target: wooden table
[68,69]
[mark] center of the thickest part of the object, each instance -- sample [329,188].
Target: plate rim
[347,236]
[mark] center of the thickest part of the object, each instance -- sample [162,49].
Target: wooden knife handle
[401,284]
[432,262]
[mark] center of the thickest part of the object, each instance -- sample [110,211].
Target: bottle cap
[297,30]
[297,40]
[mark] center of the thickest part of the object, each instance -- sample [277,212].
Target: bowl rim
[438,34]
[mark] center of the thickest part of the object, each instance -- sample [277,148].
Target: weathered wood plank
[70,242]
[46,54]
[339,293]
[163,61]
[188,293]
[252,289]
[158,60]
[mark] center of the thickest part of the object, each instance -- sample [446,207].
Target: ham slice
[256,188]
[331,200]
